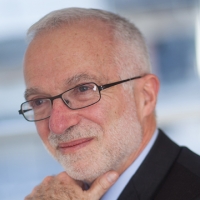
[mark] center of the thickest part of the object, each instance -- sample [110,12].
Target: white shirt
[114,192]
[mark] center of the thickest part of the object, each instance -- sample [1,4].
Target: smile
[71,147]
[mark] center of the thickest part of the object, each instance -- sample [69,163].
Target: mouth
[72,146]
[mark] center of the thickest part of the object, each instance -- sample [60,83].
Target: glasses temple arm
[20,111]
[116,83]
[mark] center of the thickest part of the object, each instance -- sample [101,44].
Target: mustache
[73,133]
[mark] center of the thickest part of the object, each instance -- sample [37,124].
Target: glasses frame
[100,88]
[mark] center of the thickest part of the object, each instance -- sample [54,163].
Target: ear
[150,88]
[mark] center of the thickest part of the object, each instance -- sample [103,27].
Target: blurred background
[172,32]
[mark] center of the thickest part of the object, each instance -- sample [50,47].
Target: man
[92,96]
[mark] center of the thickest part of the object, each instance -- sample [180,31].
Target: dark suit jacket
[169,172]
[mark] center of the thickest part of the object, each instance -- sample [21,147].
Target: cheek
[43,130]
[94,113]
[115,108]
[104,112]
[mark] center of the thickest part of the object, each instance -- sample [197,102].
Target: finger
[47,179]
[102,184]
[28,198]
[66,179]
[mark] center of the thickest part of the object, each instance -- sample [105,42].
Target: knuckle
[35,190]
[63,176]
[47,179]
[27,197]
[104,184]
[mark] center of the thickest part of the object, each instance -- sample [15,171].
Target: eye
[84,88]
[36,103]
[80,92]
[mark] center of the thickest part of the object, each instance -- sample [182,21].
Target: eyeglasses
[78,97]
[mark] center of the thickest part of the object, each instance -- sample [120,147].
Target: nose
[62,117]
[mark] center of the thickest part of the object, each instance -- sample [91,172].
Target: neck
[148,129]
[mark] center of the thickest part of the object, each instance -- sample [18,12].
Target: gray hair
[131,54]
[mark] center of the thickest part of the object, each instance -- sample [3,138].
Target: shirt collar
[114,192]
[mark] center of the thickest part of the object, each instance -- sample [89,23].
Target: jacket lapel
[146,181]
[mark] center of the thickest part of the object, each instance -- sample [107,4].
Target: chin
[87,178]
[86,173]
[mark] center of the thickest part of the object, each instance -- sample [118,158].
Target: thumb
[102,184]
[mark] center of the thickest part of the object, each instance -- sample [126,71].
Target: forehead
[82,48]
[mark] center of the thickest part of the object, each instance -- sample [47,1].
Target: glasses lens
[36,109]
[82,96]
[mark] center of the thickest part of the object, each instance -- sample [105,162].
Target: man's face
[92,140]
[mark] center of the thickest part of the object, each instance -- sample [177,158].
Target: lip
[72,146]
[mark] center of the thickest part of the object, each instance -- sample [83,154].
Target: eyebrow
[30,91]
[72,81]
[80,77]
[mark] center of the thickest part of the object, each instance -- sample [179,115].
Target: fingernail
[112,177]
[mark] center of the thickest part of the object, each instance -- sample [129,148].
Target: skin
[63,187]
[58,61]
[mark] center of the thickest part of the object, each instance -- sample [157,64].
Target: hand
[63,187]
